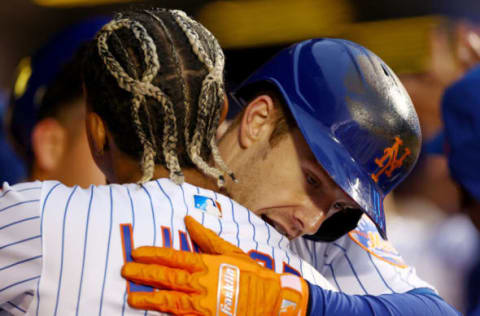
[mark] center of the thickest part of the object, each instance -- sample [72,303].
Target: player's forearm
[415,302]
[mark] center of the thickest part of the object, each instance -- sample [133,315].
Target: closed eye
[311,180]
[340,207]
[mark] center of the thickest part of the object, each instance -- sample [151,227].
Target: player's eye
[342,207]
[311,180]
[339,206]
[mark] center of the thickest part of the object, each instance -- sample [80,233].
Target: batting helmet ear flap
[354,113]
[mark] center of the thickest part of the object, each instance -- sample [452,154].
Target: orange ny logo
[390,157]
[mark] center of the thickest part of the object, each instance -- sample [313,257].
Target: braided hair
[156,78]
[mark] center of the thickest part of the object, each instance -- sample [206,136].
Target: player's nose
[310,218]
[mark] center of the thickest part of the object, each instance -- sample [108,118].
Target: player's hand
[223,280]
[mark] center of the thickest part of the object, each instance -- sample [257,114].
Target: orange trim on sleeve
[373,253]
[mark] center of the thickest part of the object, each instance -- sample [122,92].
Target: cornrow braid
[182,81]
[211,91]
[175,105]
[220,86]
[139,89]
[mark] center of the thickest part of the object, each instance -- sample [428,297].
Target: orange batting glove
[221,281]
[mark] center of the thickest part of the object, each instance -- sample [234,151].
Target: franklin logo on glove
[228,290]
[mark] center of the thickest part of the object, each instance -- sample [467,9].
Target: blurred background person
[45,119]
[12,168]
[460,142]
[424,223]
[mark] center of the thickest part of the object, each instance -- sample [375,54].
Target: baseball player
[354,119]
[460,143]
[46,113]
[165,232]
[154,89]
[15,170]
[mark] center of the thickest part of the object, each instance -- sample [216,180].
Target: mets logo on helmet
[389,162]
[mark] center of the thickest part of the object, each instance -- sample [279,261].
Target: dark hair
[156,78]
[53,100]
[65,88]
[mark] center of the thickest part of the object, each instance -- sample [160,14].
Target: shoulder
[374,262]
[21,192]
[19,187]
[214,203]
[367,237]
[52,193]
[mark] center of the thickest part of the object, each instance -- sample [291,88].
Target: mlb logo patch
[208,205]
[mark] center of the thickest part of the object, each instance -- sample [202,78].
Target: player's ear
[223,123]
[223,116]
[96,134]
[49,140]
[257,122]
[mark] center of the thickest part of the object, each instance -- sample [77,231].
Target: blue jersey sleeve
[415,302]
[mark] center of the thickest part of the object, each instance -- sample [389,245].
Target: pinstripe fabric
[20,245]
[353,270]
[68,243]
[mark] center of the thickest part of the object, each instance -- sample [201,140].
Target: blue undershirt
[421,301]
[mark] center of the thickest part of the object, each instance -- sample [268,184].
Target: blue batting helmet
[353,112]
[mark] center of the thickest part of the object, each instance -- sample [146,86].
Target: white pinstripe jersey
[62,248]
[360,262]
